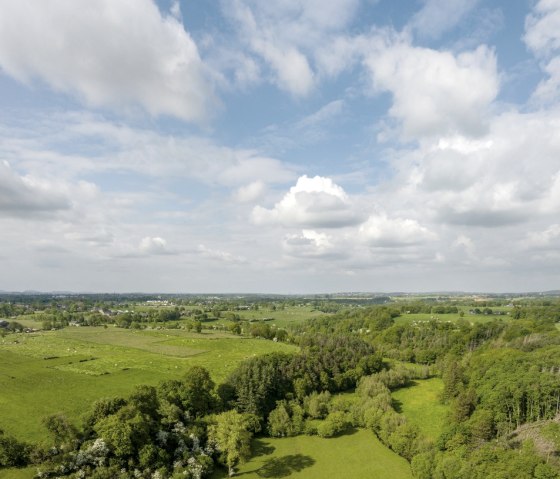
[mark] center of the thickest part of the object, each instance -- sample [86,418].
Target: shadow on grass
[285,465]
[261,448]
[347,432]
[397,405]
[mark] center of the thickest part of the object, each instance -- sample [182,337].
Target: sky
[286,146]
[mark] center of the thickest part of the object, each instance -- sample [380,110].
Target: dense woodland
[501,381]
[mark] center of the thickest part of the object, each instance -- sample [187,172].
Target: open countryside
[379,385]
[291,239]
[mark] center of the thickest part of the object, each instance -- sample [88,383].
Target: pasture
[356,455]
[14,473]
[282,318]
[449,317]
[420,403]
[66,370]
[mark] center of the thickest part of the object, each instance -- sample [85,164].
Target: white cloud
[312,203]
[438,170]
[220,255]
[439,16]
[379,230]
[548,90]
[435,93]
[287,35]
[153,245]
[121,148]
[27,195]
[93,235]
[313,245]
[542,27]
[250,192]
[110,54]
[325,114]
[511,175]
[543,240]
[542,36]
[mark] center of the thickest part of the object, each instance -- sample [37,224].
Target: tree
[336,423]
[317,404]
[198,398]
[279,420]
[61,430]
[12,452]
[286,419]
[102,408]
[193,394]
[232,438]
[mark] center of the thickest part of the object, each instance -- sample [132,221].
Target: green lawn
[452,317]
[282,318]
[421,405]
[24,473]
[44,373]
[357,455]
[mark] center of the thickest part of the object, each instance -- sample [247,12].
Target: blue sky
[282,146]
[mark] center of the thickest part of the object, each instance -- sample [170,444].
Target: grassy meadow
[23,473]
[65,370]
[451,317]
[420,403]
[356,455]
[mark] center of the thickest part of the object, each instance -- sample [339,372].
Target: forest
[497,358]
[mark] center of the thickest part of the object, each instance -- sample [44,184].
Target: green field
[24,473]
[453,317]
[44,373]
[420,403]
[282,318]
[356,455]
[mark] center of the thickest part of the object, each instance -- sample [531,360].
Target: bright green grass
[84,364]
[282,318]
[357,455]
[24,473]
[471,318]
[420,403]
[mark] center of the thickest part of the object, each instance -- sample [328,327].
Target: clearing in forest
[358,455]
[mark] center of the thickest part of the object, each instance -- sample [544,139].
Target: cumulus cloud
[250,192]
[110,54]
[438,170]
[122,148]
[153,245]
[93,235]
[542,36]
[543,240]
[287,36]
[28,195]
[312,244]
[548,90]
[312,203]
[491,181]
[435,93]
[220,255]
[439,16]
[379,230]
[542,27]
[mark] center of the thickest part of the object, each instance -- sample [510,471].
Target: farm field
[280,318]
[452,317]
[23,473]
[421,405]
[356,455]
[48,372]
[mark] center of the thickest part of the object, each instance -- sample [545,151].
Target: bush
[12,452]
[335,423]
